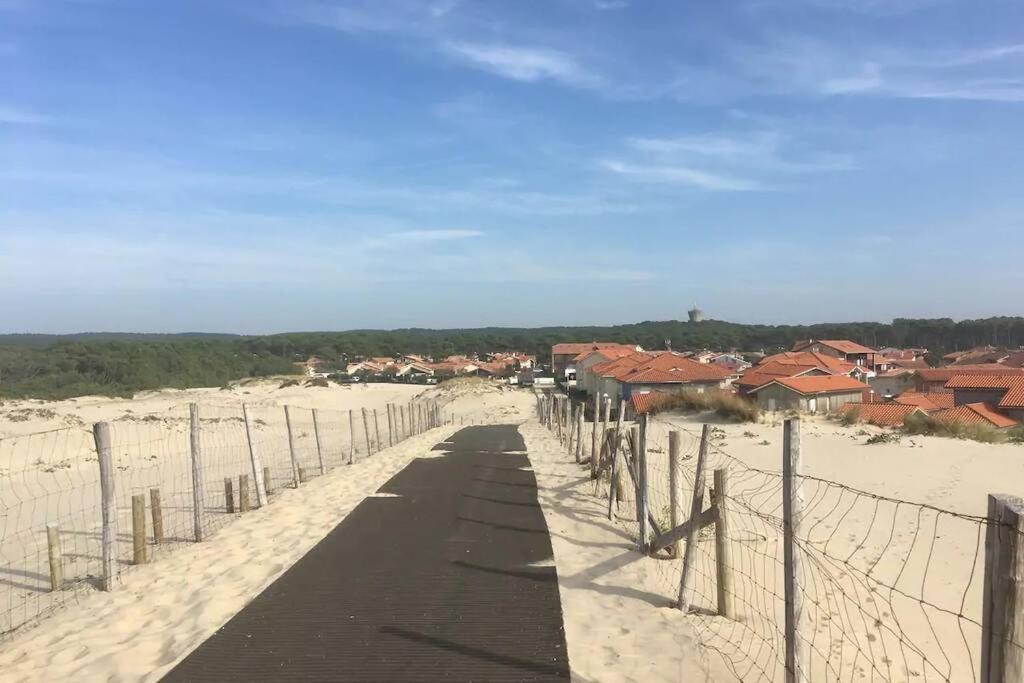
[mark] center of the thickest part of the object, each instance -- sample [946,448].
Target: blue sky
[259,166]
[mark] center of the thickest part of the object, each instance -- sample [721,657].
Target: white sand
[893,590]
[616,604]
[163,610]
[618,623]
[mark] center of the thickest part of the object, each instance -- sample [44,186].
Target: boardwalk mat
[450,578]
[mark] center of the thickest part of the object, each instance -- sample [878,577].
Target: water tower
[696,315]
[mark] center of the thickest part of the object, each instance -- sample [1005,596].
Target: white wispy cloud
[19,116]
[373,16]
[740,161]
[523,63]
[758,150]
[435,235]
[682,175]
[802,65]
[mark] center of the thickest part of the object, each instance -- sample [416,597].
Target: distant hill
[57,366]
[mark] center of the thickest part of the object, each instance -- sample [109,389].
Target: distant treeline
[56,366]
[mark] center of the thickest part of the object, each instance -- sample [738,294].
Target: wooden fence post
[267,480]
[593,436]
[605,419]
[56,557]
[619,476]
[108,505]
[195,442]
[319,446]
[351,437]
[402,435]
[675,488]
[229,496]
[792,520]
[642,476]
[302,475]
[257,466]
[579,431]
[634,454]
[391,427]
[376,430]
[158,515]
[139,529]
[570,423]
[292,449]
[696,507]
[243,493]
[723,553]
[1002,620]
[366,431]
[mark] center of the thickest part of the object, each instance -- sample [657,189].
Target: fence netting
[892,589]
[51,484]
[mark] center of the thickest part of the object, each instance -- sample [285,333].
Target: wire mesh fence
[194,474]
[884,589]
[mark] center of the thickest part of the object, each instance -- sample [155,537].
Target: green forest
[116,364]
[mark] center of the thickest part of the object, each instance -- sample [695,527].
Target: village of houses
[980,386]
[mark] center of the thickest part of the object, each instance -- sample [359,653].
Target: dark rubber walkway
[451,579]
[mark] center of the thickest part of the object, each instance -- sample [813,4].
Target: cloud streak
[682,175]
[523,63]
[22,117]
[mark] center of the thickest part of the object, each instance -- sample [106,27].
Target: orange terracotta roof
[1014,398]
[762,374]
[841,345]
[881,414]
[610,368]
[666,366]
[975,413]
[983,381]
[821,360]
[819,384]
[575,348]
[947,373]
[607,354]
[642,403]
[928,401]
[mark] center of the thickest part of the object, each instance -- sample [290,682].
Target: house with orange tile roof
[606,375]
[880,414]
[934,379]
[891,383]
[586,378]
[929,402]
[976,413]
[792,364]
[669,372]
[563,354]
[809,393]
[1003,393]
[843,349]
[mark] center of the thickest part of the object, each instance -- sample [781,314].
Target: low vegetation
[725,405]
[849,417]
[928,425]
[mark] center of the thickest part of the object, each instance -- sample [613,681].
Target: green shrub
[849,417]
[918,423]
[729,406]
[884,437]
[1016,434]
